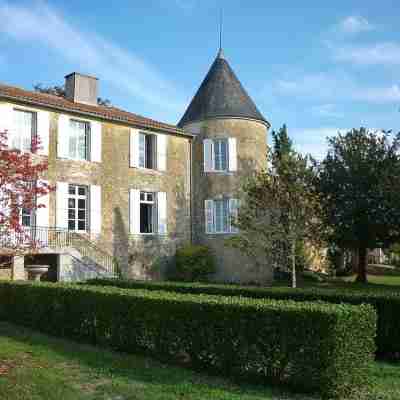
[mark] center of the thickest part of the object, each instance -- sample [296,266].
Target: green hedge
[311,347]
[385,301]
[193,263]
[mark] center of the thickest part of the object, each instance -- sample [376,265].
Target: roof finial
[220,52]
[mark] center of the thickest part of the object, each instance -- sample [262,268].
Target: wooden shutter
[63,136]
[232,154]
[233,211]
[62,205]
[162,152]
[134,148]
[43,131]
[209,216]
[162,212]
[6,119]
[95,141]
[134,211]
[208,155]
[42,213]
[95,209]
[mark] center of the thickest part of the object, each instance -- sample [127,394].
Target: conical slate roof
[221,95]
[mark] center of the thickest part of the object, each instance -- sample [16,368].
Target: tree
[358,184]
[20,188]
[60,91]
[279,207]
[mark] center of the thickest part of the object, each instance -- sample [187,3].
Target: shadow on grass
[136,369]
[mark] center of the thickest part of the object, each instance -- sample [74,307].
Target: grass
[386,280]
[34,366]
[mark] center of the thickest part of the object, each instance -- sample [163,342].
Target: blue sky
[318,67]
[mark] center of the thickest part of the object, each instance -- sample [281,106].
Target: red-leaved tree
[21,187]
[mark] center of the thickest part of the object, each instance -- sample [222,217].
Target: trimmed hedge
[311,347]
[385,301]
[193,263]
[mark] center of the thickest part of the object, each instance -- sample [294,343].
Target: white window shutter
[95,141]
[62,205]
[209,216]
[134,148]
[95,209]
[208,155]
[134,211]
[43,131]
[233,211]
[63,136]
[232,154]
[162,152]
[162,212]
[42,213]
[6,119]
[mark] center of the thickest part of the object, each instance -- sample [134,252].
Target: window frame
[34,128]
[154,211]
[88,129]
[220,141]
[143,151]
[227,214]
[76,196]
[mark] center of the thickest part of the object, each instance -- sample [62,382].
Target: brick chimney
[81,88]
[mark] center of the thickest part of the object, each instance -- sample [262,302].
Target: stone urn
[36,271]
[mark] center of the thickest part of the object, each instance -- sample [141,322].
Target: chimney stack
[81,88]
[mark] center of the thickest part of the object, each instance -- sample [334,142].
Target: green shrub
[311,347]
[385,301]
[194,264]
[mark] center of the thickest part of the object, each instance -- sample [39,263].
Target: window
[148,212]
[221,155]
[24,130]
[147,151]
[78,140]
[219,215]
[77,208]
[27,218]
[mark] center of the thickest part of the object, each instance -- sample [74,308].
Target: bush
[312,347]
[385,301]
[194,264]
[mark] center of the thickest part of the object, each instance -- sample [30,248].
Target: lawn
[34,366]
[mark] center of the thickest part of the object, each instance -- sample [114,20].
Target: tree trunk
[362,265]
[293,257]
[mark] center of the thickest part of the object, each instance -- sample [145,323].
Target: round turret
[230,144]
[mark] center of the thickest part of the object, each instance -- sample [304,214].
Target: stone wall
[251,152]
[137,255]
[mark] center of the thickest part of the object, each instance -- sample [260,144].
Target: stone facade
[251,143]
[138,256]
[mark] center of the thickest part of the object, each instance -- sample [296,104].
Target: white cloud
[329,88]
[387,53]
[313,140]
[355,24]
[128,72]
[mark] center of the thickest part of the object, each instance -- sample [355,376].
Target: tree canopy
[279,207]
[358,183]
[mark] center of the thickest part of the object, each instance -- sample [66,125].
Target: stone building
[132,189]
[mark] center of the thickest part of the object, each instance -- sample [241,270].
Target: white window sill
[220,172]
[221,233]
[78,160]
[149,170]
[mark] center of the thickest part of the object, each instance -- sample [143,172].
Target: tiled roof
[112,114]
